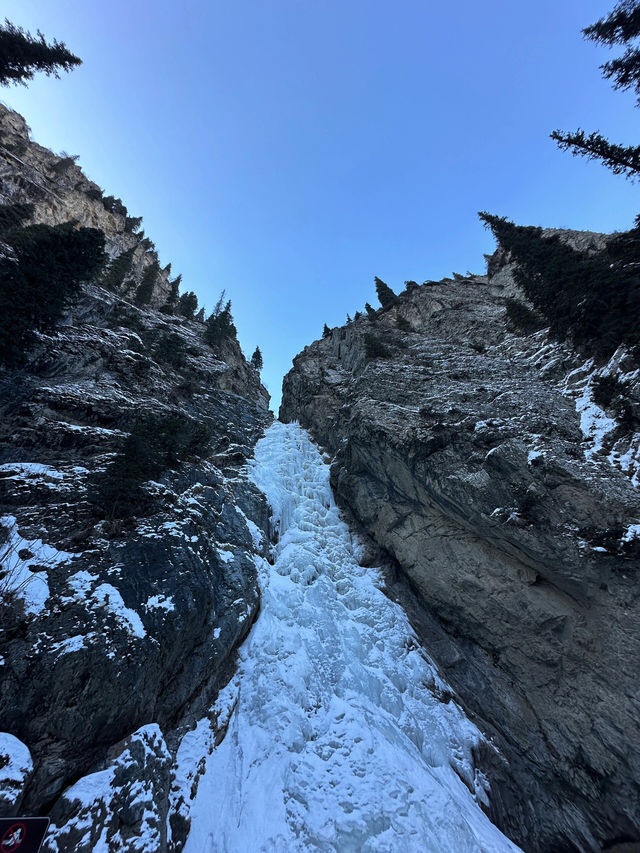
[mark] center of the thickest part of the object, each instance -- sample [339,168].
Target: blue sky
[290,150]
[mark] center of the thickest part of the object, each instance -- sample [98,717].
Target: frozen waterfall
[336,740]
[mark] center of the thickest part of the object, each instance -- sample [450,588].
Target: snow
[336,739]
[15,766]
[90,788]
[107,596]
[81,583]
[31,587]
[162,602]
[225,556]
[256,534]
[97,799]
[31,470]
[72,644]
[632,532]
[595,424]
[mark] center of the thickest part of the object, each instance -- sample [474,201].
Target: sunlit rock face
[60,192]
[476,458]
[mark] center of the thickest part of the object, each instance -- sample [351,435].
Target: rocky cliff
[60,192]
[117,628]
[475,457]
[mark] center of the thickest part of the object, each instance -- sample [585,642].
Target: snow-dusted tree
[22,55]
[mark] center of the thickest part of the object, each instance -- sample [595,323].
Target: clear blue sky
[290,150]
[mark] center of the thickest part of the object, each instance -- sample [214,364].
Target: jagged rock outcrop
[457,447]
[116,629]
[60,192]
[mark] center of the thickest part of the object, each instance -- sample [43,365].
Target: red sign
[24,834]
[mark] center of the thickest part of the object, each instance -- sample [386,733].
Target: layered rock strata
[458,448]
[60,192]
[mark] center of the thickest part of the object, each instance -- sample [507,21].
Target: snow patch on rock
[24,564]
[15,768]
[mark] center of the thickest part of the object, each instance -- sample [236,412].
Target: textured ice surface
[336,739]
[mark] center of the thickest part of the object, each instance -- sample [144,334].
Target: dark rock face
[116,633]
[462,459]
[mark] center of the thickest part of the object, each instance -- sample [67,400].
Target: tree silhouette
[22,55]
[621,26]
[256,359]
[385,294]
[219,326]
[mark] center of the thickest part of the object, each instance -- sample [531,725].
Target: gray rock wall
[115,633]
[460,457]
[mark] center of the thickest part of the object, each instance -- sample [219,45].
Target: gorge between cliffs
[402,617]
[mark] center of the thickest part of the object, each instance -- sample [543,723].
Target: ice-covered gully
[336,739]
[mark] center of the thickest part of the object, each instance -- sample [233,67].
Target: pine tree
[154,444]
[326,332]
[132,223]
[385,294]
[348,320]
[22,55]
[50,263]
[256,359]
[115,205]
[171,349]
[371,312]
[188,304]
[200,315]
[118,268]
[621,159]
[621,26]
[13,216]
[374,348]
[144,292]
[593,298]
[220,326]
[171,304]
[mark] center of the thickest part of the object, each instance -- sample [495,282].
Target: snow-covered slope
[339,733]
